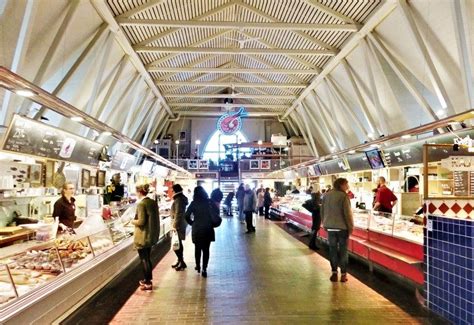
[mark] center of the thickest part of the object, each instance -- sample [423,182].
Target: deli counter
[42,280]
[392,241]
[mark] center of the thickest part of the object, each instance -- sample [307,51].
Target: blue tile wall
[449,268]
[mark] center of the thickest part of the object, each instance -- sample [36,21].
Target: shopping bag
[175,241]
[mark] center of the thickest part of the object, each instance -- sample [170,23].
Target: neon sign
[231,122]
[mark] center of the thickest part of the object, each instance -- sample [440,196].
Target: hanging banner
[230,123]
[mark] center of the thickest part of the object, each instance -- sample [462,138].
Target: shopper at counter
[65,207]
[146,234]
[385,200]
[250,204]
[202,230]
[178,223]
[337,220]
[260,200]
[314,206]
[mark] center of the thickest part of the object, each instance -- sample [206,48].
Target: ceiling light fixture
[351,152]
[77,119]
[406,136]
[25,92]
[106,133]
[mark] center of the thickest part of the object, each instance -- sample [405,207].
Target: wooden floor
[268,277]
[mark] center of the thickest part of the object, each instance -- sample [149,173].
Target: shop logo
[458,163]
[231,122]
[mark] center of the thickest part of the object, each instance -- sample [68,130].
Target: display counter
[40,281]
[392,241]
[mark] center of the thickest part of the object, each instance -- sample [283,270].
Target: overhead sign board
[30,137]
[459,163]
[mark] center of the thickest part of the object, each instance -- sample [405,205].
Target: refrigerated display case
[64,270]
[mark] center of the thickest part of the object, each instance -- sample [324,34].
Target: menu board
[461,183]
[334,166]
[402,156]
[122,161]
[471,183]
[30,137]
[358,162]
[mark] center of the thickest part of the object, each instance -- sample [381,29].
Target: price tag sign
[429,225]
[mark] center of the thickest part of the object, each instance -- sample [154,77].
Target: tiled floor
[264,278]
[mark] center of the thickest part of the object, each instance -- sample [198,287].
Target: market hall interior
[348,124]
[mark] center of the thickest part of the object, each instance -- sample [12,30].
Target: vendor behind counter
[65,207]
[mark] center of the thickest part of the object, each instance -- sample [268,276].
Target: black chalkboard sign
[403,156]
[461,183]
[30,137]
[358,162]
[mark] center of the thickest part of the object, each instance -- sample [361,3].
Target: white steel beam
[362,104]
[230,51]
[304,117]
[188,66]
[272,66]
[75,66]
[173,30]
[300,33]
[233,70]
[228,105]
[230,84]
[161,127]
[106,14]
[373,93]
[306,136]
[373,21]
[148,5]
[100,74]
[168,95]
[193,45]
[404,79]
[48,58]
[292,125]
[464,49]
[217,113]
[336,93]
[138,123]
[236,25]
[135,107]
[165,129]
[319,109]
[436,81]
[150,125]
[317,126]
[19,53]
[130,87]
[108,95]
[331,12]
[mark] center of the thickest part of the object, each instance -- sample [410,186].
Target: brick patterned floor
[263,278]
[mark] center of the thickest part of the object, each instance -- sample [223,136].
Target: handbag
[216,220]
[175,241]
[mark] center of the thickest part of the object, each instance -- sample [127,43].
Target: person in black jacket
[314,206]
[178,223]
[267,202]
[202,230]
[228,203]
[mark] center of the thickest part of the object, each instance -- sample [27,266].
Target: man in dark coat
[178,223]
[249,207]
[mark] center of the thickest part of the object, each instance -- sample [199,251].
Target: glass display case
[396,225]
[294,202]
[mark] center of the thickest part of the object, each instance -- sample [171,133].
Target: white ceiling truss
[335,72]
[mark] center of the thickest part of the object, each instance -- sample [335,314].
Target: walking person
[260,200]
[337,220]
[267,202]
[202,230]
[178,223]
[228,203]
[146,234]
[313,205]
[240,201]
[249,206]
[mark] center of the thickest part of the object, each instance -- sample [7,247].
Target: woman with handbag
[202,234]
[178,223]
[314,206]
[146,234]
